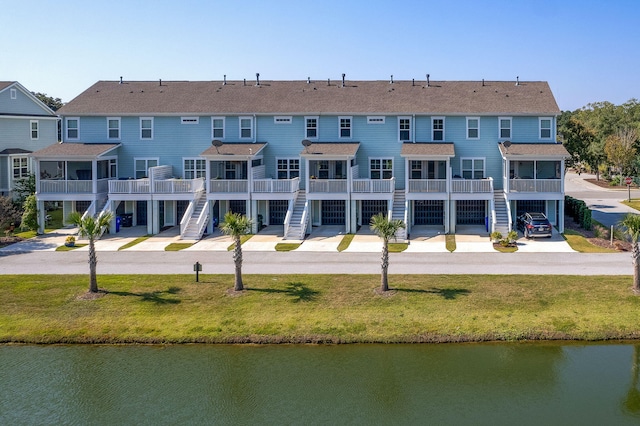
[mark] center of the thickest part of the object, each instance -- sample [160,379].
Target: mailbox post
[197,267]
[628,181]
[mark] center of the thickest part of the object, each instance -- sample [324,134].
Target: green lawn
[634,204]
[317,308]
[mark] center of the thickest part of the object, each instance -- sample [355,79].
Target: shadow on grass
[297,291]
[157,297]
[446,293]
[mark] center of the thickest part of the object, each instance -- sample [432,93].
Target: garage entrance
[470,212]
[277,211]
[333,212]
[428,212]
[371,208]
[524,206]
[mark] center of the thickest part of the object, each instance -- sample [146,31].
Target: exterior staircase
[191,231]
[295,231]
[503,223]
[398,212]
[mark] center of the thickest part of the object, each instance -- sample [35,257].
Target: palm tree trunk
[636,266]
[237,258]
[384,281]
[93,261]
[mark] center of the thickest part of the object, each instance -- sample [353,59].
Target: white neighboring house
[26,125]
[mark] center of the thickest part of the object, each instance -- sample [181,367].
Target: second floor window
[73,128]
[311,124]
[143,165]
[345,127]
[437,124]
[20,167]
[217,127]
[473,127]
[113,128]
[246,128]
[472,168]
[146,128]
[381,168]
[288,168]
[545,128]
[505,128]
[404,129]
[34,124]
[194,168]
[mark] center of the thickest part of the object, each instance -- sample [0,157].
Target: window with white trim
[472,168]
[375,120]
[189,120]
[146,127]
[504,130]
[437,126]
[282,120]
[345,127]
[73,128]
[195,168]
[545,128]
[473,127]
[311,127]
[380,168]
[246,127]
[113,127]
[217,125]
[142,166]
[404,129]
[35,129]
[288,168]
[14,94]
[20,167]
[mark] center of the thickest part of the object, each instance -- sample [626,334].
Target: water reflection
[352,384]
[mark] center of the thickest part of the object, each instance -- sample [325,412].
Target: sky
[588,50]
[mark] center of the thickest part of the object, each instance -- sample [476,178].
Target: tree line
[603,139]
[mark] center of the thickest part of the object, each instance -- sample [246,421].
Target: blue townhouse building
[298,154]
[26,125]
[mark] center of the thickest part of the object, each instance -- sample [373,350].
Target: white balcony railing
[161,186]
[535,185]
[427,185]
[228,186]
[131,186]
[276,185]
[373,185]
[328,185]
[66,186]
[472,186]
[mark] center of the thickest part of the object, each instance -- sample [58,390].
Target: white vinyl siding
[217,127]
[545,128]
[113,128]
[34,126]
[73,128]
[473,127]
[146,127]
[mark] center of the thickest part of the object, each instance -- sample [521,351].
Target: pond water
[296,384]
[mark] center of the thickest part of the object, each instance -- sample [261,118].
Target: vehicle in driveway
[534,225]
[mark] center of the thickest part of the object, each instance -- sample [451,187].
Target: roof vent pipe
[257,79]
[244,81]
[428,80]
[224,81]
[328,82]
[120,79]
[413,81]
[391,81]
[483,82]
[517,80]
[343,76]
[308,80]
[160,82]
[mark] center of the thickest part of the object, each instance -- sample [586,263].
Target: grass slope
[313,308]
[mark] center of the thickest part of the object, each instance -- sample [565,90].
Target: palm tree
[631,224]
[236,225]
[386,229]
[91,227]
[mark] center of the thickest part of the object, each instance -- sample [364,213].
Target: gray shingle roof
[339,149]
[300,97]
[230,149]
[69,149]
[534,149]
[427,149]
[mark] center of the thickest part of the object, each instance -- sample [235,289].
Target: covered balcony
[427,169]
[160,181]
[330,170]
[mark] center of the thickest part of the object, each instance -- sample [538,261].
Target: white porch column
[153,217]
[41,217]
[252,213]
